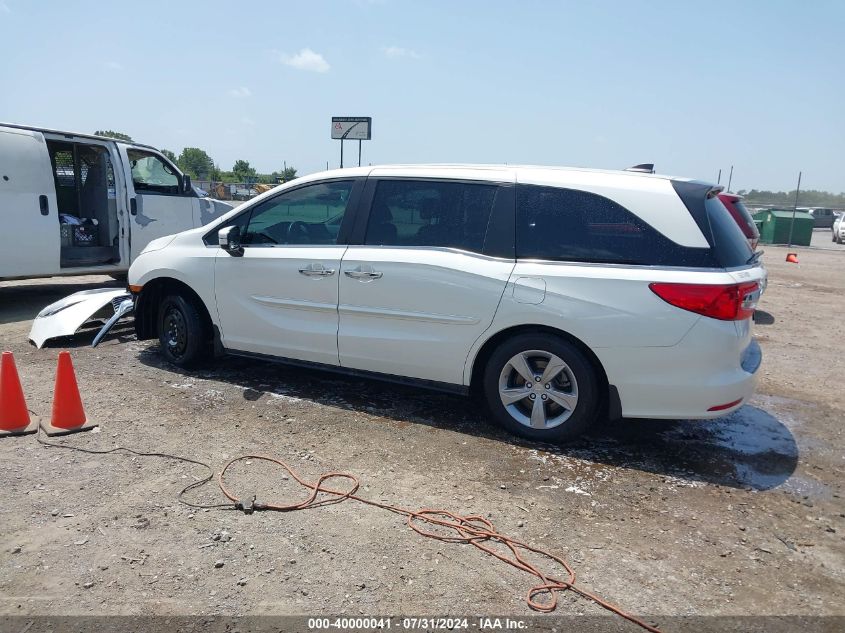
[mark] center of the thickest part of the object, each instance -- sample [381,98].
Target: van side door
[29,234]
[158,203]
[424,279]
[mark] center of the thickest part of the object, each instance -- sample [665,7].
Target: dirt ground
[739,516]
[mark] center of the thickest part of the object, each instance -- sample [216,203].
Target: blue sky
[691,86]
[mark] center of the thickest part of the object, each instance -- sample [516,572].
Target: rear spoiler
[714,191]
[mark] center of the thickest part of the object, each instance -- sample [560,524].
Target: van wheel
[541,387]
[181,331]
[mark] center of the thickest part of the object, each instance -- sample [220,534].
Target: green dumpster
[774,226]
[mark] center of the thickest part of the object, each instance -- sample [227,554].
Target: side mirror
[186,184]
[229,240]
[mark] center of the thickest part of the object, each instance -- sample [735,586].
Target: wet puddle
[755,448]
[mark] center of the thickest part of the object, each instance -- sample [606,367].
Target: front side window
[578,226]
[150,174]
[430,213]
[307,215]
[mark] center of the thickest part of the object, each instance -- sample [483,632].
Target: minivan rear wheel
[181,331]
[541,387]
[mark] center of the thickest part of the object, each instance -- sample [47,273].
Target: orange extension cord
[474,530]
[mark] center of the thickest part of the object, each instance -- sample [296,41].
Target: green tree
[120,136]
[196,163]
[806,198]
[288,173]
[243,172]
[168,155]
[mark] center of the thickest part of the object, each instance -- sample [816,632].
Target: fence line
[232,191]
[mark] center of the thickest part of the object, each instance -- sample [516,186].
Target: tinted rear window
[741,208]
[572,225]
[730,244]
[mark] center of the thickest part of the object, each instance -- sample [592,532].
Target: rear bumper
[752,357]
[685,381]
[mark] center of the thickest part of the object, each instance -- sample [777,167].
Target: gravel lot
[739,516]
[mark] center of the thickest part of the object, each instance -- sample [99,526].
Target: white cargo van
[74,204]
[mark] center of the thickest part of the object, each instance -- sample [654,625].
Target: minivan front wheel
[541,387]
[180,331]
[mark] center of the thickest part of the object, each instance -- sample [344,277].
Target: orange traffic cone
[14,416]
[792,258]
[68,414]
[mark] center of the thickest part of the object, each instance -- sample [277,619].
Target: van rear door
[158,203]
[29,221]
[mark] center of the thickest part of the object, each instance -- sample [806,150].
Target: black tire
[585,411]
[181,331]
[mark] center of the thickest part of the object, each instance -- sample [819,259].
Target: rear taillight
[732,302]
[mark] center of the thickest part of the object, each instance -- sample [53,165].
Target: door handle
[44,204]
[316,271]
[133,206]
[366,275]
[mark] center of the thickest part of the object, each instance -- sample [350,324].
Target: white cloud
[397,51]
[114,66]
[4,8]
[247,121]
[240,93]
[306,59]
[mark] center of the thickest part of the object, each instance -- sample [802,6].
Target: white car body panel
[65,316]
[486,173]
[421,317]
[613,312]
[839,229]
[286,313]
[156,215]
[703,370]
[29,241]
[26,163]
[183,257]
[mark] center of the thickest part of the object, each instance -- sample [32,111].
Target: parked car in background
[75,204]
[562,296]
[741,215]
[838,229]
[822,218]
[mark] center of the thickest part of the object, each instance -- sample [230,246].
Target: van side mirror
[229,240]
[186,184]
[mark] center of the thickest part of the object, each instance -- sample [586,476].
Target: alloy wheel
[538,389]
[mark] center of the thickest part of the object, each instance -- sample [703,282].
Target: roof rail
[645,168]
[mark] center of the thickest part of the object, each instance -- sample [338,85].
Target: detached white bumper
[66,316]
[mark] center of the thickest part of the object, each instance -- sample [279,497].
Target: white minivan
[74,204]
[559,295]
